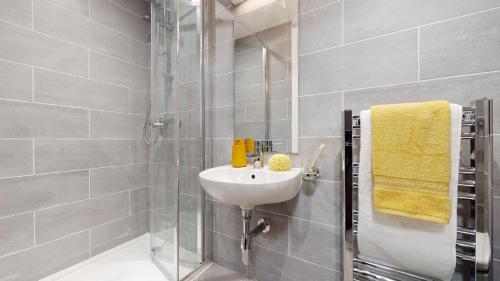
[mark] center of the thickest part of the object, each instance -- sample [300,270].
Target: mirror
[266,75]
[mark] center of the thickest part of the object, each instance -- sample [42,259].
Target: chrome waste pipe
[263,226]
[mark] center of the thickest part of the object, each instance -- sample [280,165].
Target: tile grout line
[74,107]
[286,255]
[90,241]
[33,153]
[33,84]
[70,74]
[34,228]
[342,22]
[398,31]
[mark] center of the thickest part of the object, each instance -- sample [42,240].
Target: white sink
[248,187]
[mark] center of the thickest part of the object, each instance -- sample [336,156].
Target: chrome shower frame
[162,122]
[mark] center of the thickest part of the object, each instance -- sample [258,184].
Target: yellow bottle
[239,158]
[250,145]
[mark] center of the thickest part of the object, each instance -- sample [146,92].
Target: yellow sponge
[279,162]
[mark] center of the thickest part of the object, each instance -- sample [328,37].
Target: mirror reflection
[265,65]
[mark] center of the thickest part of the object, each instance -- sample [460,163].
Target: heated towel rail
[474,208]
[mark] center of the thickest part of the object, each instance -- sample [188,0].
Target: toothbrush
[317,156]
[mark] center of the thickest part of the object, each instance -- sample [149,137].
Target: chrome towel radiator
[474,213]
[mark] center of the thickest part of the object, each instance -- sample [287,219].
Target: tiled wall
[73,96]
[352,54]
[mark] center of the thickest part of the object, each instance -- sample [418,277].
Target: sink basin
[248,187]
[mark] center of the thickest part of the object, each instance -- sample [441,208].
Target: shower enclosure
[174,132]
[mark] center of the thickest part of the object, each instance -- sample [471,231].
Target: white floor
[128,262]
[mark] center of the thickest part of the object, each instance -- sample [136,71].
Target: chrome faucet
[257,158]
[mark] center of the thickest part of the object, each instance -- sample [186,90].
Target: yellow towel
[411,160]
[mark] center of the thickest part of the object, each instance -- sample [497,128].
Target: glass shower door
[164,150]
[175,157]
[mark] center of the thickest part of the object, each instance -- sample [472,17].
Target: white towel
[416,246]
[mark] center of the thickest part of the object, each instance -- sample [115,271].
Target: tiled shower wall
[352,54]
[73,96]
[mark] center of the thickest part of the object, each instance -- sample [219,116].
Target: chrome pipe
[263,226]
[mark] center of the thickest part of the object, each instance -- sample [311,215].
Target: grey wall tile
[330,164]
[110,125]
[56,21]
[279,129]
[139,102]
[251,94]
[277,239]
[319,115]
[222,151]
[112,234]
[318,201]
[119,19]
[55,88]
[25,46]
[23,194]
[248,58]
[56,222]
[317,243]
[255,112]
[138,7]
[248,77]
[17,157]
[27,120]
[224,52]
[281,90]
[189,96]
[224,26]
[307,5]
[280,70]
[224,90]
[363,64]
[16,81]
[269,265]
[16,11]
[32,264]
[138,151]
[364,19]
[122,3]
[460,90]
[139,53]
[111,180]
[61,155]
[78,6]
[108,69]
[227,253]
[279,109]
[227,219]
[16,233]
[321,28]
[193,181]
[138,200]
[140,173]
[460,46]
[224,122]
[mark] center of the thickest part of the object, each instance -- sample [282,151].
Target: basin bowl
[248,187]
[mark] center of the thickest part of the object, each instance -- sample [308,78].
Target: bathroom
[142,139]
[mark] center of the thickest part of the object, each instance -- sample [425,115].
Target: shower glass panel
[175,156]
